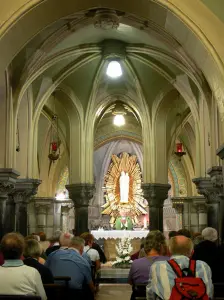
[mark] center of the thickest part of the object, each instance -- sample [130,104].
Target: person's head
[42,236]
[184,232]
[12,246]
[32,249]
[198,239]
[210,234]
[56,236]
[77,243]
[65,239]
[181,245]
[172,234]
[155,242]
[88,238]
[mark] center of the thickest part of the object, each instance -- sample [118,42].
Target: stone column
[41,216]
[155,194]
[65,217]
[81,194]
[201,208]
[8,179]
[24,190]
[178,205]
[206,187]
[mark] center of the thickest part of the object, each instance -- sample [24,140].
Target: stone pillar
[41,215]
[201,208]
[8,179]
[81,194]
[178,205]
[24,190]
[206,187]
[155,194]
[65,217]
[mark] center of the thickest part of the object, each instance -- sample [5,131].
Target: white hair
[65,239]
[210,234]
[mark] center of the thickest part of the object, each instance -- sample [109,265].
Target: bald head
[181,245]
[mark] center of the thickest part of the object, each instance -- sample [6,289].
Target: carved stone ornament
[6,187]
[24,190]
[106,19]
[65,210]
[81,193]
[42,209]
[155,193]
[206,187]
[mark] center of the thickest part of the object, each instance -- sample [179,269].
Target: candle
[145,222]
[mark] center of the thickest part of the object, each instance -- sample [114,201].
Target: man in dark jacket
[208,252]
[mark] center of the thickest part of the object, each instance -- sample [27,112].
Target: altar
[110,238]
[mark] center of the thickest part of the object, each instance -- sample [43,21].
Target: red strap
[192,266]
[176,268]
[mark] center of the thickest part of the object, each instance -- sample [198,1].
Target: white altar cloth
[118,234]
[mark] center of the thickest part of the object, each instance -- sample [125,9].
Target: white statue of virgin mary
[124,187]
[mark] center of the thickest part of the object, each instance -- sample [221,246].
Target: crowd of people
[160,262]
[29,264]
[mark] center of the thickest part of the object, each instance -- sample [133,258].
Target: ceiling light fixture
[119,120]
[119,113]
[114,69]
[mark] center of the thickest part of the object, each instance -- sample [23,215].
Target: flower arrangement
[124,249]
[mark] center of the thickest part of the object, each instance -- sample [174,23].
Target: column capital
[216,176]
[8,178]
[24,190]
[42,204]
[220,152]
[65,209]
[206,187]
[81,193]
[155,193]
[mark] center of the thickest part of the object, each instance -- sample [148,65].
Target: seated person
[15,277]
[172,234]
[69,262]
[31,254]
[184,232]
[54,243]
[155,249]
[35,237]
[207,251]
[162,276]
[43,241]
[92,253]
[136,254]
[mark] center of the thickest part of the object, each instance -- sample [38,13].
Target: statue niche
[123,193]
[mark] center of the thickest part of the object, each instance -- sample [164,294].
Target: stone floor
[114,292]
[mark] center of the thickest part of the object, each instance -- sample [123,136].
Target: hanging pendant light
[179,146]
[54,146]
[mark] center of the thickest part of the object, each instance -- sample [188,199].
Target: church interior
[111,118]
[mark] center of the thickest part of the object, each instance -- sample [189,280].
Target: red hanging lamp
[54,146]
[179,146]
[179,150]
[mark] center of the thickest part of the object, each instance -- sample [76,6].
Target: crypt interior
[60,142]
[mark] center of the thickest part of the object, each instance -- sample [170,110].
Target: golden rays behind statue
[123,193]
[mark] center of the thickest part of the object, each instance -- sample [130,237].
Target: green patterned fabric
[120,226]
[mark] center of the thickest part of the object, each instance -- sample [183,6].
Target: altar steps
[114,291]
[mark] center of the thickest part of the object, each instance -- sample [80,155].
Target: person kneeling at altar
[155,250]
[69,262]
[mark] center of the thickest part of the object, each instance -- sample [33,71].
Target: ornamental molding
[81,193]
[106,19]
[210,190]
[6,187]
[155,193]
[24,190]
